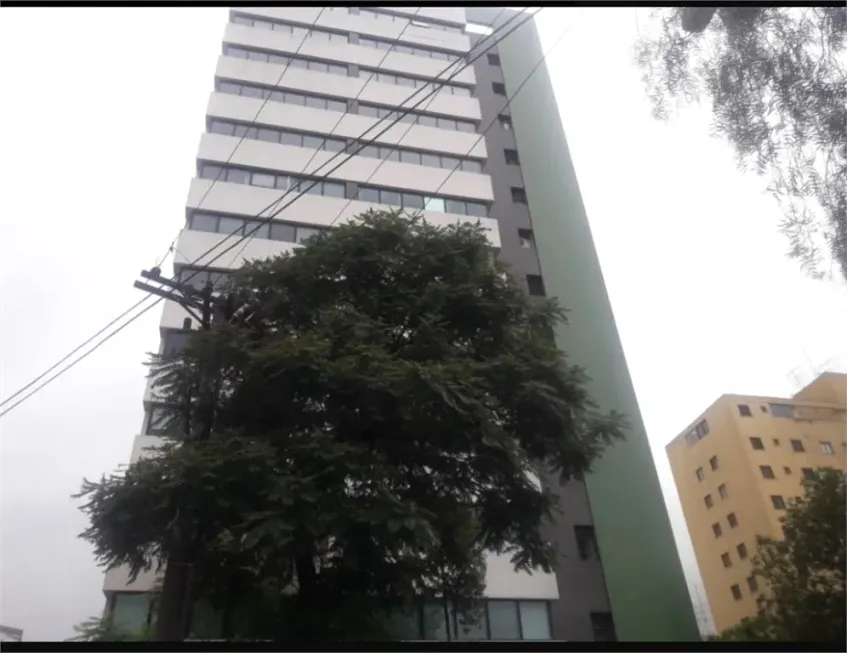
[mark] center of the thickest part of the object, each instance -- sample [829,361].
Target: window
[742,550]
[809,474]
[160,422]
[535,285]
[708,500]
[726,560]
[797,445]
[776,442]
[716,529]
[826,449]
[732,520]
[722,491]
[518,195]
[757,444]
[713,462]
[744,410]
[586,542]
[786,471]
[766,471]
[511,157]
[700,474]
[131,611]
[526,238]
[603,627]
[702,430]
[505,122]
[499,89]
[782,410]
[753,584]
[778,502]
[493,59]
[736,592]
[535,619]
[503,620]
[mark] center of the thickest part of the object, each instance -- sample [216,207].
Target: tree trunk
[170,620]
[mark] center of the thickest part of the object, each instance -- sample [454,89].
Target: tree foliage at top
[380,404]
[776,80]
[803,574]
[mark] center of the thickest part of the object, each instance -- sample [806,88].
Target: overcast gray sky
[101,115]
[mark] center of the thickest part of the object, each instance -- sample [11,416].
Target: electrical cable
[157,301]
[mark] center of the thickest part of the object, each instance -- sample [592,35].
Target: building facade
[738,466]
[355,67]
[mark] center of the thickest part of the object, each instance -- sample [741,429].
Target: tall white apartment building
[356,66]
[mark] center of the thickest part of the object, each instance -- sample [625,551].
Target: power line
[436,87]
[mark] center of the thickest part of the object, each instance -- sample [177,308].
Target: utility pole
[175,600]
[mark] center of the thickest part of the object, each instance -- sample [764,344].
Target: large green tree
[383,399]
[776,82]
[802,575]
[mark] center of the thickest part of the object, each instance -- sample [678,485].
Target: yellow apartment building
[736,468]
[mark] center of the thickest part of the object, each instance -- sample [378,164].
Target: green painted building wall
[643,574]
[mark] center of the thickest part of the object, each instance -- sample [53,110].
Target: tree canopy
[803,574]
[776,81]
[383,402]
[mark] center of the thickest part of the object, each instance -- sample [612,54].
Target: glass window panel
[263,179]
[263,24]
[299,63]
[406,81]
[229,87]
[236,52]
[287,138]
[369,151]
[434,622]
[333,189]
[368,194]
[466,127]
[471,165]
[410,157]
[335,69]
[446,123]
[157,423]
[409,118]
[503,620]
[313,142]
[318,66]
[405,624]
[269,135]
[334,145]
[218,127]
[365,110]
[283,182]
[428,121]
[304,233]
[449,162]
[237,176]
[390,197]
[257,56]
[242,20]
[251,91]
[455,206]
[535,620]
[412,201]
[316,102]
[477,209]
[131,611]
[277,96]
[295,98]
[434,204]
[204,222]
[282,232]
[336,105]
[390,154]
[257,229]
[472,625]
[309,187]
[431,160]
[208,171]
[278,59]
[231,225]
